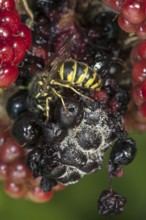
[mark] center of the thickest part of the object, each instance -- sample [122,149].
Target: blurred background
[79,201]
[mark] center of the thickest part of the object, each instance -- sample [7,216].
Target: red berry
[8,75]
[125,24]
[3,137]
[11,19]
[18,172]
[143,109]
[141,30]
[5,32]
[10,151]
[36,194]
[116,5]
[141,49]
[7,4]
[6,53]
[133,11]
[134,56]
[14,190]
[18,46]
[139,71]
[143,89]
[100,96]
[3,170]
[58,187]
[137,95]
[25,34]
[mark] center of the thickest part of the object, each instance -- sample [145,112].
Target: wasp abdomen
[79,74]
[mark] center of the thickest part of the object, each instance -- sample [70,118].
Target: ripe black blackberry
[103,29]
[122,153]
[26,130]
[16,104]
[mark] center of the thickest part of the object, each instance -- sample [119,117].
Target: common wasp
[61,73]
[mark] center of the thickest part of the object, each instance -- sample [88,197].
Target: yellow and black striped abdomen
[79,74]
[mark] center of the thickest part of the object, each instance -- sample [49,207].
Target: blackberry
[46,184]
[71,115]
[31,65]
[123,151]
[103,26]
[68,154]
[52,133]
[26,130]
[16,104]
[111,203]
[34,161]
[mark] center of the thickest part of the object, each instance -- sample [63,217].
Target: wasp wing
[58,59]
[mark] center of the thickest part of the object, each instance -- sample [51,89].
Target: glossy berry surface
[25,34]
[15,40]
[11,151]
[123,152]
[5,32]
[7,4]
[18,48]
[133,11]
[16,104]
[25,130]
[132,15]
[8,75]
[11,19]
[71,116]
[6,53]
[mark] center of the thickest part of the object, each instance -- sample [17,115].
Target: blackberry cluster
[70,144]
[73,141]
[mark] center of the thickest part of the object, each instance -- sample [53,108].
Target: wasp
[60,73]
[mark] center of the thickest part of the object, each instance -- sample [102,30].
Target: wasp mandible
[59,73]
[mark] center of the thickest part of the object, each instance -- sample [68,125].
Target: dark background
[79,201]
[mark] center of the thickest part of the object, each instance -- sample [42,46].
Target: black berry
[110,203]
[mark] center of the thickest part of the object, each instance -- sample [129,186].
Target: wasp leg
[47,108]
[29,12]
[72,88]
[60,96]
